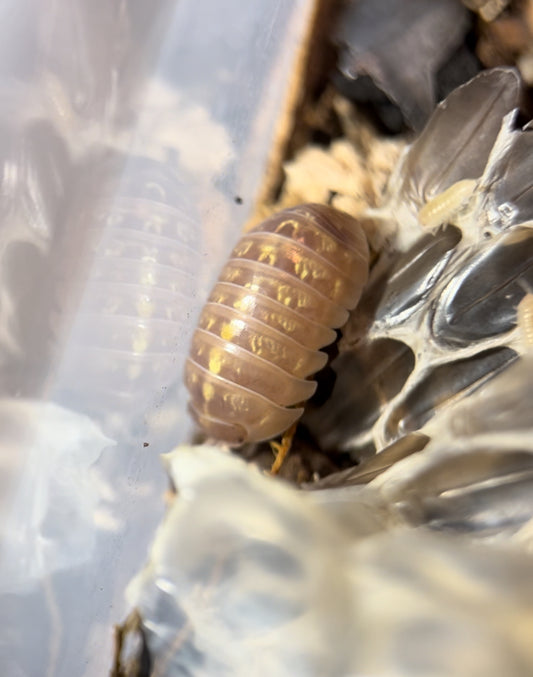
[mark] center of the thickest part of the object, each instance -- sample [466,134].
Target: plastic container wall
[133,137]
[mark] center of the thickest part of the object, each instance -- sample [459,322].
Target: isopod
[447,204]
[524,318]
[287,285]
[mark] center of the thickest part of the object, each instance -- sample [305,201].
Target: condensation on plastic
[284,582]
[133,137]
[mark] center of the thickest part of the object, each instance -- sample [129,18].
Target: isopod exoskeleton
[287,285]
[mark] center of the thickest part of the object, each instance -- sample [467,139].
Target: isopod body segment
[287,285]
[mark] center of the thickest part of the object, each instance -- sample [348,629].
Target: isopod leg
[281,449]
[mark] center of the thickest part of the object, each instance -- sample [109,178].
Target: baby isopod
[524,317]
[447,204]
[287,285]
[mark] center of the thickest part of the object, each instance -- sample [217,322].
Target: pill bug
[287,285]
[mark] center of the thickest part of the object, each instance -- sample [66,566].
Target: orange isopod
[287,285]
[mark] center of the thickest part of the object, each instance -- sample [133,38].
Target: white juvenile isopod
[524,320]
[443,207]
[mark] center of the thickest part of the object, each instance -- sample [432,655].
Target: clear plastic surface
[133,137]
[249,576]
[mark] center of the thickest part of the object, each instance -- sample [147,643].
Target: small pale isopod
[447,204]
[286,286]
[524,319]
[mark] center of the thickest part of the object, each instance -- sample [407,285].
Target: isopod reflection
[143,278]
[287,285]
